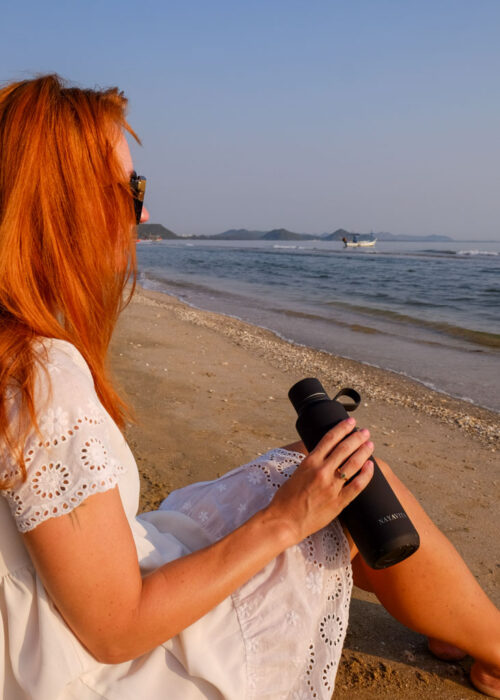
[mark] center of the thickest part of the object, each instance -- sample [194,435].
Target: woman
[202,598]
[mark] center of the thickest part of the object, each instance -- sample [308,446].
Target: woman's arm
[88,563]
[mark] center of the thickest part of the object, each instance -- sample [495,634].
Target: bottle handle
[352,394]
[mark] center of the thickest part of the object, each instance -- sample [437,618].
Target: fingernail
[351,420]
[365,432]
[370,445]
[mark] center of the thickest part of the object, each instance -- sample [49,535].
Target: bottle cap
[306,391]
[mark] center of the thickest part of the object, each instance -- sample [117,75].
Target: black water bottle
[376,520]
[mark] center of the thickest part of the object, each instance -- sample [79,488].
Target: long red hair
[66,236]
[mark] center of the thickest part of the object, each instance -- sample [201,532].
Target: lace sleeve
[72,458]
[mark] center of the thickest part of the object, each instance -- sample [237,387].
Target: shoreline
[354,326]
[210,393]
[374,383]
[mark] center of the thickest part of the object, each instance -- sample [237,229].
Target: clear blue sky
[378,115]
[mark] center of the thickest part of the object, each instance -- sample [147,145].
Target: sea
[428,311]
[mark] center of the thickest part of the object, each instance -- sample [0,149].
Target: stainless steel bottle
[375,519]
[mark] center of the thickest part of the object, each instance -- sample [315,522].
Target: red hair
[66,235]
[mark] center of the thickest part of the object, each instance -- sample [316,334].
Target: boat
[356,242]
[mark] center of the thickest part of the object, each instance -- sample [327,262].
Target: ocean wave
[477,252]
[431,251]
[483,338]
[156,282]
[465,252]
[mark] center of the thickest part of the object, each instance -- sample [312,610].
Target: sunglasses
[138,189]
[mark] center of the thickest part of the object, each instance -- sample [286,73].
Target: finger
[347,447]
[360,482]
[332,438]
[349,468]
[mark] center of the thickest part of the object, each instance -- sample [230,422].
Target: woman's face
[123,152]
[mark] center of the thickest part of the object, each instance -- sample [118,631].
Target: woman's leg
[434,593]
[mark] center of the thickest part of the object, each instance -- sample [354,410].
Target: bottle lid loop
[352,394]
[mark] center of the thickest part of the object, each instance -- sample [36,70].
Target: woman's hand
[319,489]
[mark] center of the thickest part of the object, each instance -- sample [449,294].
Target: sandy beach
[210,393]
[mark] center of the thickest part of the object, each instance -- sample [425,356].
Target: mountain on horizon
[282,234]
[154,232]
[386,236]
[339,234]
[237,234]
[159,232]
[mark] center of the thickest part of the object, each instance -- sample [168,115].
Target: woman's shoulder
[74,450]
[58,355]
[64,382]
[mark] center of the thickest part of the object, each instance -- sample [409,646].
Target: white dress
[278,636]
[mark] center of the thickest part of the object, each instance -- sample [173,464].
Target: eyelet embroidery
[309,672]
[50,481]
[331,629]
[94,455]
[70,460]
[332,546]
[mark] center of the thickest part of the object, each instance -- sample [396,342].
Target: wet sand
[210,393]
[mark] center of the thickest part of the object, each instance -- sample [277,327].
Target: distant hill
[154,232]
[339,234]
[385,236]
[237,234]
[242,234]
[282,234]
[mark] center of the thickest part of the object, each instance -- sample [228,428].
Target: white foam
[476,252]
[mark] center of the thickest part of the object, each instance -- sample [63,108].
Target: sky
[370,115]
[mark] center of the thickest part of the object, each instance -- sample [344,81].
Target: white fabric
[279,636]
